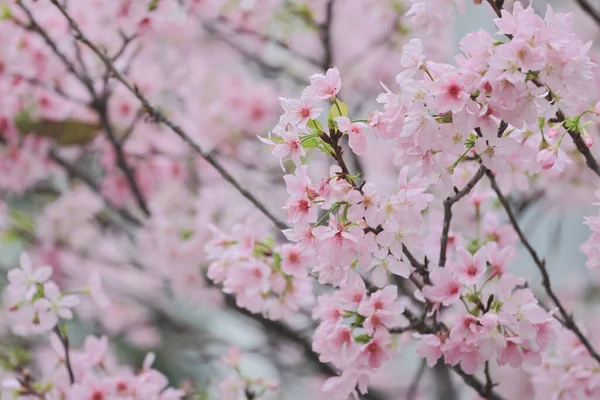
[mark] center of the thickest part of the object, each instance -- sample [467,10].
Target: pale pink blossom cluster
[96,375]
[508,79]
[355,333]
[567,371]
[264,277]
[499,318]
[35,303]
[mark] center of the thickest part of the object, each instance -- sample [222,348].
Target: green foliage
[363,339]
[338,109]
[65,133]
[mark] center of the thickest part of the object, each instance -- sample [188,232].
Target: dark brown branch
[326,37]
[64,339]
[448,203]
[101,108]
[568,321]
[589,10]
[489,383]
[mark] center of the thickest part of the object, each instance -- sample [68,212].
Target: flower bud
[547,157]
[553,132]
[597,108]
[588,140]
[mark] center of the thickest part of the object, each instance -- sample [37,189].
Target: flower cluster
[355,332]
[264,277]
[35,303]
[500,319]
[95,375]
[567,372]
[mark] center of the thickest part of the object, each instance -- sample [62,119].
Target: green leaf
[22,220]
[315,125]
[186,234]
[338,109]
[5,13]
[364,338]
[65,133]
[311,143]
[12,236]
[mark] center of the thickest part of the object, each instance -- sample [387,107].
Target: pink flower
[232,388]
[56,302]
[97,291]
[597,108]
[233,357]
[499,259]
[553,132]
[451,93]
[412,58]
[382,310]
[26,279]
[357,139]
[95,350]
[324,87]
[299,112]
[288,145]
[469,268]
[293,260]
[430,347]
[446,287]
[547,157]
[376,352]
[388,264]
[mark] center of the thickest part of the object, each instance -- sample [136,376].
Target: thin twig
[448,203]
[101,108]
[64,339]
[326,35]
[589,10]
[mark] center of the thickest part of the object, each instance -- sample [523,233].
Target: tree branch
[448,203]
[589,10]
[568,321]
[64,339]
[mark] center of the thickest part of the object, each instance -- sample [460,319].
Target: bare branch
[589,10]
[448,203]
[64,339]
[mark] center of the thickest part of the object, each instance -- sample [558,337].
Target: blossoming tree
[372,254]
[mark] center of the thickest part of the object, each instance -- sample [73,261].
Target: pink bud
[546,158]
[553,132]
[597,108]
[588,140]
